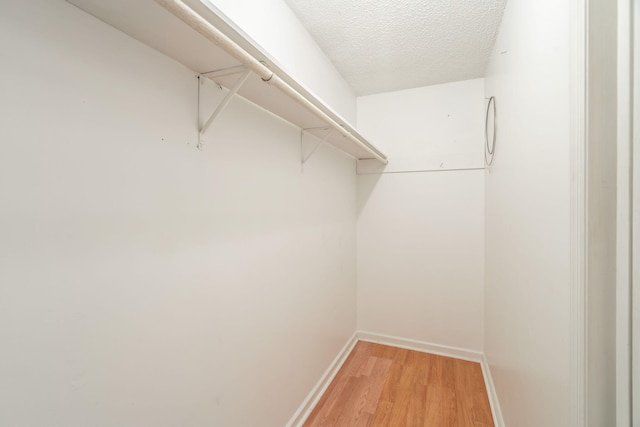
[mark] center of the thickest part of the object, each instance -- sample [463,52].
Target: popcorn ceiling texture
[387,45]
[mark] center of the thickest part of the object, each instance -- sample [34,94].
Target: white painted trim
[578,215]
[634,173]
[624,214]
[318,390]
[425,347]
[498,421]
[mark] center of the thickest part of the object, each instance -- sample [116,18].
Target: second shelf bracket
[225,101]
[306,156]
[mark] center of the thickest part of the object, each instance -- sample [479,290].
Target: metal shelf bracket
[304,156]
[244,75]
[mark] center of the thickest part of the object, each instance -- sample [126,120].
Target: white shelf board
[150,23]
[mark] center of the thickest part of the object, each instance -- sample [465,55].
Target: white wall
[420,234]
[276,28]
[142,282]
[601,223]
[427,128]
[527,324]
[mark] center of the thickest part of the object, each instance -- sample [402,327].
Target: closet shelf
[203,39]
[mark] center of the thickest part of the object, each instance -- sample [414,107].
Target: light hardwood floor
[385,386]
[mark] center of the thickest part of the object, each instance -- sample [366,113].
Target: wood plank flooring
[385,386]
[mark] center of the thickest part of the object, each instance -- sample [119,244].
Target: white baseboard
[442,350]
[498,421]
[425,347]
[318,390]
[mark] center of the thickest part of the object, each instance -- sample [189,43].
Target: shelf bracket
[216,74]
[225,101]
[306,156]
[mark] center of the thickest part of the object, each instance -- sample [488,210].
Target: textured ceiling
[385,45]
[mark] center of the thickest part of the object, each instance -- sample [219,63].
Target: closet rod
[204,27]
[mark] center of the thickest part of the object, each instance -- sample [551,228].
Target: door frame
[578,212]
[628,184]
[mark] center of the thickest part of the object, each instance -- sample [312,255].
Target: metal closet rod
[204,27]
